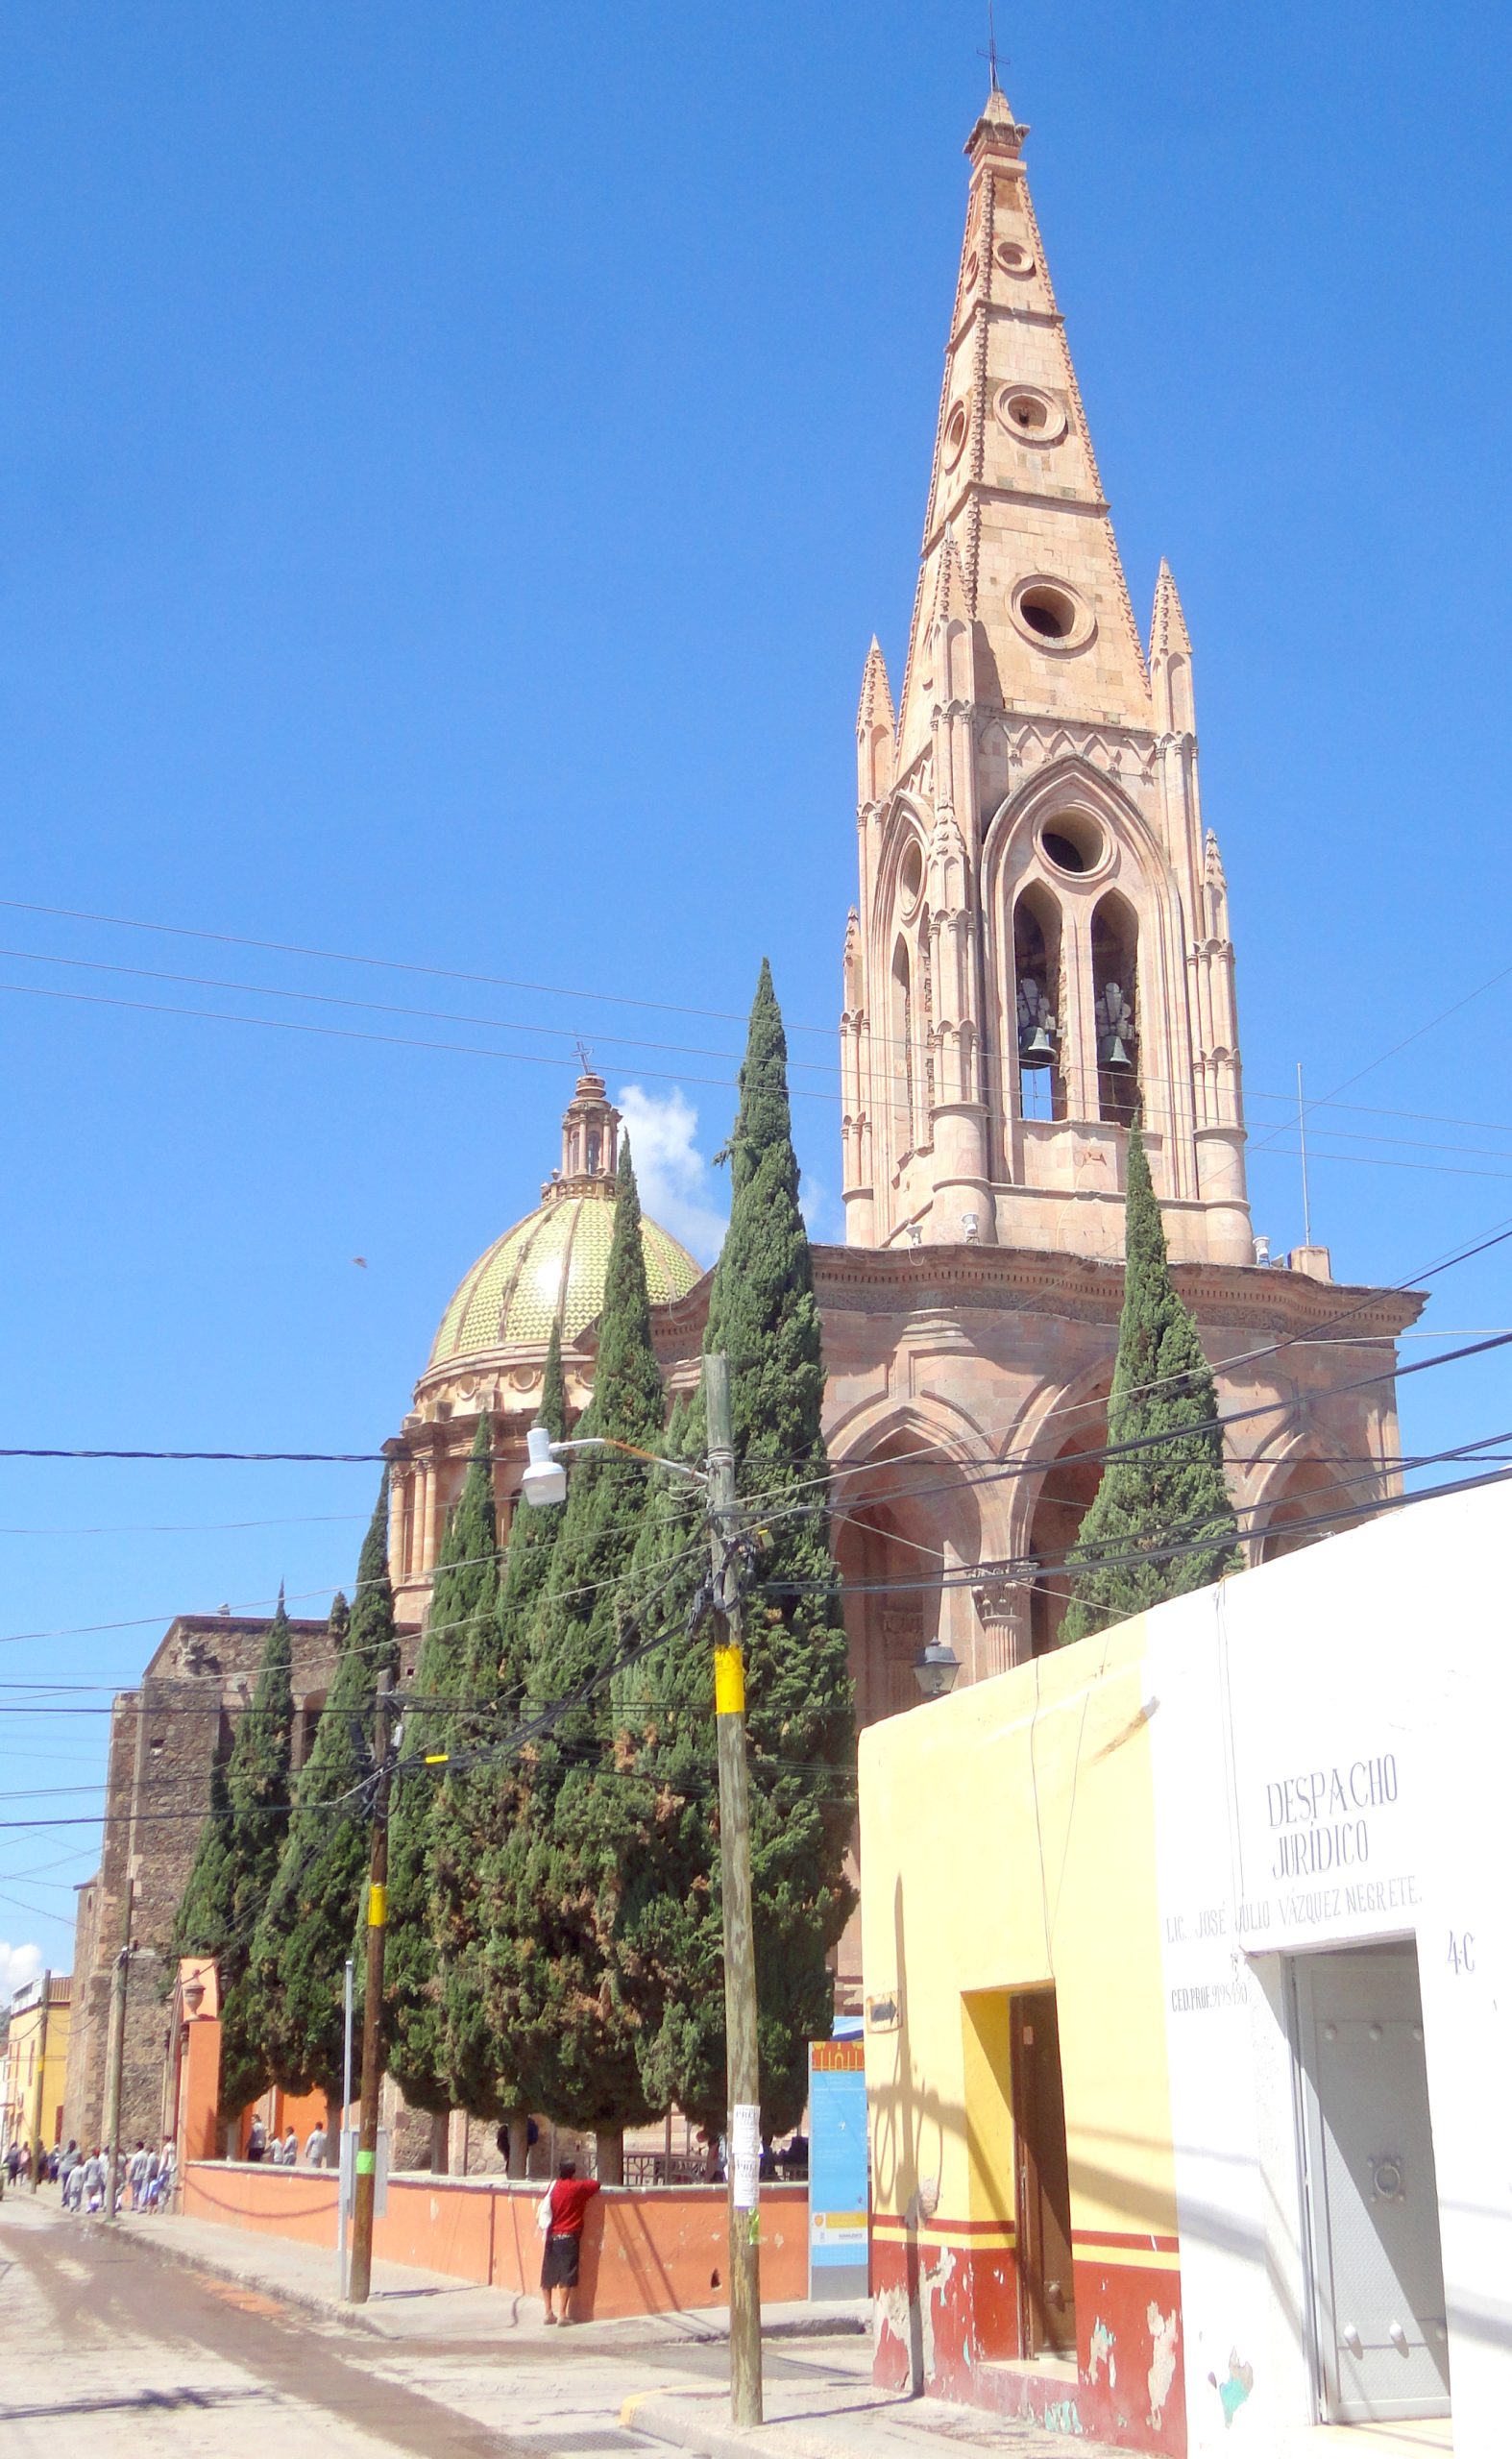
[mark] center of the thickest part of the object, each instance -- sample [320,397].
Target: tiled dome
[551,1267]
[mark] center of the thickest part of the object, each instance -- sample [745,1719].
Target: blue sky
[450,466]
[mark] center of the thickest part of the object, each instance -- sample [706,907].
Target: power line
[555,990]
[968,1578]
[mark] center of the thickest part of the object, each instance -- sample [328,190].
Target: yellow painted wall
[21,2075]
[1008,1842]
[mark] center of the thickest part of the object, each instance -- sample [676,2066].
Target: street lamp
[936,1668]
[544,1481]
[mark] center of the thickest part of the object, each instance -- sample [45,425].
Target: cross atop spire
[990,52]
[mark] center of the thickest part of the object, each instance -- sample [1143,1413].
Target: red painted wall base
[947,2314]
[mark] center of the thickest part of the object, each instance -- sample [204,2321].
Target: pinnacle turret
[875,728]
[1168,625]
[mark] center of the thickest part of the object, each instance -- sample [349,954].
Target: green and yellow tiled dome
[552,1266]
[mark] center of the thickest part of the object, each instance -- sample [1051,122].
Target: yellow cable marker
[378,1907]
[729,1681]
[437,1758]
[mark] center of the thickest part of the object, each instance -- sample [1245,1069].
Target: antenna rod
[1302,1139]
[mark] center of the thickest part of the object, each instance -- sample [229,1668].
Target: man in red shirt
[569,2198]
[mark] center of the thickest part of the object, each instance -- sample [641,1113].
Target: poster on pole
[839,2196]
[744,2155]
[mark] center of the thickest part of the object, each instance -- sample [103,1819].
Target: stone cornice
[1020,1280]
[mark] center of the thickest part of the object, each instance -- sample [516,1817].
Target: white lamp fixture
[544,1479]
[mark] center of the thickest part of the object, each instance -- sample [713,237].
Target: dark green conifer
[764,1315]
[204,1921]
[258,1794]
[485,1920]
[463,1602]
[575,2035]
[305,1934]
[1169,1494]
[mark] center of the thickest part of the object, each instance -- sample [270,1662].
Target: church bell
[1036,1048]
[1112,1052]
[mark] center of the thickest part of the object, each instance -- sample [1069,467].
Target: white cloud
[18,1966]
[677,1186]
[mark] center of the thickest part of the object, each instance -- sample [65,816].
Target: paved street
[161,2338]
[104,2348]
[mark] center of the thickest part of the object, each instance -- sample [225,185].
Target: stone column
[1002,1599]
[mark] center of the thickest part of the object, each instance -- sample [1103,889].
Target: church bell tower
[1041,946]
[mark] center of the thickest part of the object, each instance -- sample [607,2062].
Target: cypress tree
[257,1798]
[204,1921]
[487,1919]
[305,1934]
[574,2033]
[1171,1492]
[463,1601]
[764,1315]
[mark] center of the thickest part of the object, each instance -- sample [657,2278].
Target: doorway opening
[1046,2292]
[1376,2269]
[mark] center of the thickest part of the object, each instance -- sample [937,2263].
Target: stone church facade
[1040,949]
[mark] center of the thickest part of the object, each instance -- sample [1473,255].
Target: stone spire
[1015,475]
[1040,949]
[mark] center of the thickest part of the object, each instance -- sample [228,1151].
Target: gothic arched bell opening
[1038,1005]
[1115,1012]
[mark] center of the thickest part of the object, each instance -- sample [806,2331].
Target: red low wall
[644,2252]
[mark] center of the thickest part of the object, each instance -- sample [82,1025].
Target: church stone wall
[163,1740]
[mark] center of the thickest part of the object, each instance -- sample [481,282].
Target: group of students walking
[144,2177]
[283,2153]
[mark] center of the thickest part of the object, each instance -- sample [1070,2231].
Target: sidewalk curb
[669,2326]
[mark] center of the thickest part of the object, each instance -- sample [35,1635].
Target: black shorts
[559,2261]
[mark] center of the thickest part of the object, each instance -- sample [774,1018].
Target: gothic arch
[1305,1481]
[894,1533]
[1056,1486]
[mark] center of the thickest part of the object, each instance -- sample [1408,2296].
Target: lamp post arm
[608,1442]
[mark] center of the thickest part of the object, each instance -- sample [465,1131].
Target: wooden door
[1046,2293]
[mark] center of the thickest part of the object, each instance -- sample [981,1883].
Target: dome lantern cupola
[590,1143]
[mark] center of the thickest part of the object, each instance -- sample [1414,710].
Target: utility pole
[742,2080]
[343,2214]
[115,2052]
[359,2276]
[41,2078]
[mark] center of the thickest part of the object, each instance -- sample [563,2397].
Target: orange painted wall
[642,2252]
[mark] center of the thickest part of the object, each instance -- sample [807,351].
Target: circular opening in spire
[1072,842]
[955,426]
[1049,612]
[1029,416]
[1050,616]
[1012,258]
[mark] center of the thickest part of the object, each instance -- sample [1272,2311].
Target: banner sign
[839,2184]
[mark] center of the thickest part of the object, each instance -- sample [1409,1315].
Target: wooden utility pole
[360,2274]
[743,2079]
[115,2052]
[41,2079]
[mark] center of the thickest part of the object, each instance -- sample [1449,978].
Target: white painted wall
[1332,1751]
